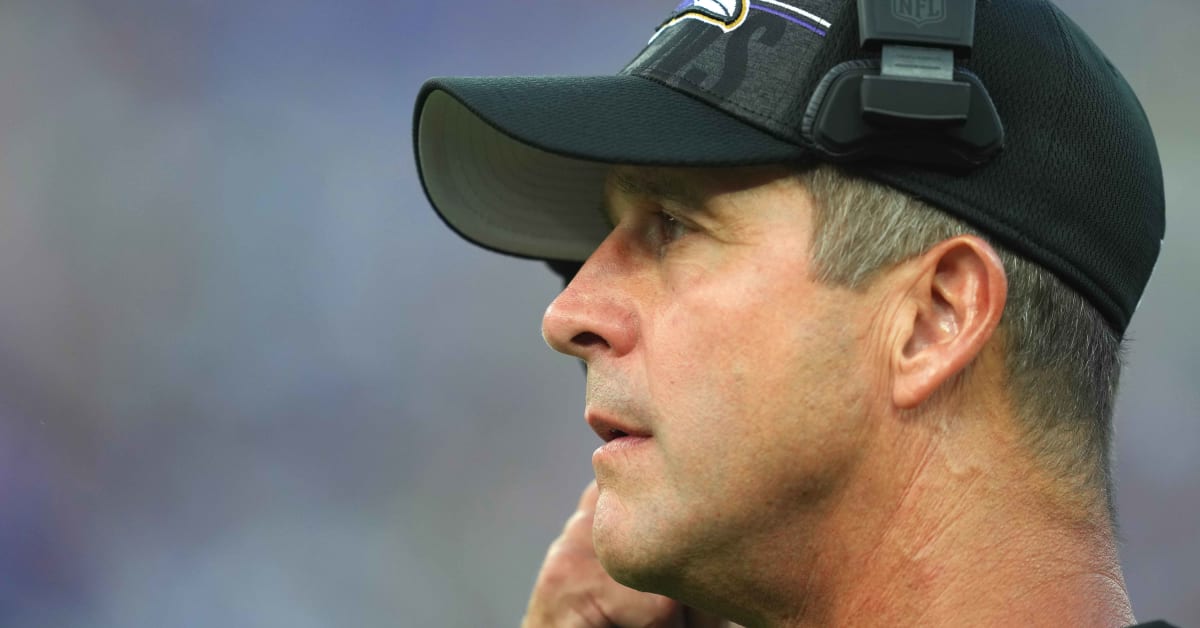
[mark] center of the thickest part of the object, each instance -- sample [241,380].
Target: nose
[594,315]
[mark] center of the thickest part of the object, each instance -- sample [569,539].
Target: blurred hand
[574,591]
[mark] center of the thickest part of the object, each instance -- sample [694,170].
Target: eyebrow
[659,185]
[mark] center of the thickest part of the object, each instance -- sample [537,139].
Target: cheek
[757,371]
[726,358]
[725,327]
[710,341]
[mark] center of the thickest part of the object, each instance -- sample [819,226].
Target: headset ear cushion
[835,125]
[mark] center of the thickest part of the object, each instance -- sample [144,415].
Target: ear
[954,306]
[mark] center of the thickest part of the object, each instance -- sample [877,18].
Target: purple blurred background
[248,378]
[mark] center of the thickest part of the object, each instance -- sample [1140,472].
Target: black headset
[913,103]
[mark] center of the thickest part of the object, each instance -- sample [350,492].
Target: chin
[636,556]
[618,542]
[611,539]
[641,572]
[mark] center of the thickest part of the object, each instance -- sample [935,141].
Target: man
[850,281]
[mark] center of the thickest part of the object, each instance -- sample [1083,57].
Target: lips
[609,428]
[624,442]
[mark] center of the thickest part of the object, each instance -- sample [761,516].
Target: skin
[805,454]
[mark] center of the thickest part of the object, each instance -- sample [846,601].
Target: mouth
[623,442]
[610,429]
[611,434]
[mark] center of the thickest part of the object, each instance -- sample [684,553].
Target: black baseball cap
[1003,113]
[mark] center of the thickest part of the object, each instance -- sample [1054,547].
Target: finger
[587,501]
[624,606]
[577,532]
[694,618]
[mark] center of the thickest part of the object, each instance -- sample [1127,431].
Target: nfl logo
[919,12]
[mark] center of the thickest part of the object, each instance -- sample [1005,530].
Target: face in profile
[726,381]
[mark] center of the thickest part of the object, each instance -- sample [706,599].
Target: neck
[975,565]
[946,538]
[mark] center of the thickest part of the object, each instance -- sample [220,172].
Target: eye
[670,227]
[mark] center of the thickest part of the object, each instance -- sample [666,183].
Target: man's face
[734,376]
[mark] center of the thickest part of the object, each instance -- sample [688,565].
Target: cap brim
[517,164]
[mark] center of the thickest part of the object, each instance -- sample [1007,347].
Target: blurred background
[247,377]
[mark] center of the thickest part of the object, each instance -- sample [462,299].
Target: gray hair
[1063,358]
